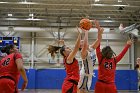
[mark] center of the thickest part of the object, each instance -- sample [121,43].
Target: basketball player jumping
[71,65]
[107,66]
[88,60]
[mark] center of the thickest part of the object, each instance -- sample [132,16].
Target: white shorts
[85,82]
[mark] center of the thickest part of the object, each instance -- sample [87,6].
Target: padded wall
[53,79]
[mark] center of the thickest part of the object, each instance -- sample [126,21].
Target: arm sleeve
[18,55]
[98,53]
[119,57]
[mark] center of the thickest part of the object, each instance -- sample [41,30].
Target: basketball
[85,24]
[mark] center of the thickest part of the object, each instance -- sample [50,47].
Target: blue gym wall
[53,79]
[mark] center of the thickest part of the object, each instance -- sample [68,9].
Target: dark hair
[53,50]
[80,49]
[136,67]
[62,49]
[7,48]
[107,52]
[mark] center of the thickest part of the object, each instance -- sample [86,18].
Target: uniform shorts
[69,87]
[7,86]
[101,87]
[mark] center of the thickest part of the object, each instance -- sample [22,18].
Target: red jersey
[8,66]
[72,70]
[107,68]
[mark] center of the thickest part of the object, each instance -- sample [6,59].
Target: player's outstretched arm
[120,56]
[85,46]
[100,32]
[76,48]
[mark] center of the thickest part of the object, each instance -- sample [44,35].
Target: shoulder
[17,55]
[71,62]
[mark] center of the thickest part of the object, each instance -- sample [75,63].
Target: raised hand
[97,25]
[79,30]
[130,41]
[101,30]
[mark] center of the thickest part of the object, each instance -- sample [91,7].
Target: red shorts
[7,86]
[69,87]
[101,87]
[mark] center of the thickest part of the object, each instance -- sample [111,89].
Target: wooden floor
[59,91]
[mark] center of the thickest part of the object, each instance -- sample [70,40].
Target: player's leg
[80,83]
[87,85]
[83,88]
[69,87]
[89,82]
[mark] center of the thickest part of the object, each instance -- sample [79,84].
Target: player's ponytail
[53,50]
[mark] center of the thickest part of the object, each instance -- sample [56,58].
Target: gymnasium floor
[59,91]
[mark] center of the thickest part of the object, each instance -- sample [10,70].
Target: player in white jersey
[88,60]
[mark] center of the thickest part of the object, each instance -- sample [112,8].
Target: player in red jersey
[11,66]
[106,69]
[71,65]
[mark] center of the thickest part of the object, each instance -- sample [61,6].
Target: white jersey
[86,71]
[88,63]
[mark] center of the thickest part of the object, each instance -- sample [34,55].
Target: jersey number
[6,62]
[108,65]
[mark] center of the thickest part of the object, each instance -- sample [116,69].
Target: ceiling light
[96,30]
[109,17]
[10,15]
[108,5]
[33,19]
[119,0]
[97,0]
[31,15]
